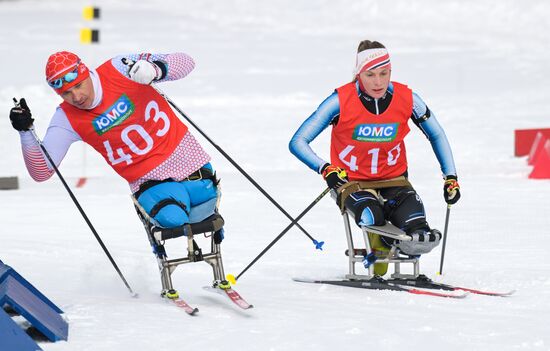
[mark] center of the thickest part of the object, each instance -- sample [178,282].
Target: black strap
[149,184]
[172,233]
[163,203]
[214,223]
[211,224]
[358,185]
[202,173]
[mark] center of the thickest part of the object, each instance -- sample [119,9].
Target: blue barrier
[12,337]
[6,271]
[21,296]
[37,312]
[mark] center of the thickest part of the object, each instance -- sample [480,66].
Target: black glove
[20,116]
[451,190]
[334,176]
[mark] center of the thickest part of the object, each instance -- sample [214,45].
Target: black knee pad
[359,200]
[405,210]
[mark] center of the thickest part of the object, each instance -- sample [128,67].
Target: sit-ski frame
[157,236]
[358,255]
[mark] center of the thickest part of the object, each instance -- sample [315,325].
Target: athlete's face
[81,95]
[375,82]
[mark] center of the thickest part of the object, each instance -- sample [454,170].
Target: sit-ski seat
[211,227]
[375,257]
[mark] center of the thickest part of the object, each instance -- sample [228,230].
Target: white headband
[371,59]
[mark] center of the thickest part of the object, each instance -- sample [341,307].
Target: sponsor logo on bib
[375,132]
[115,115]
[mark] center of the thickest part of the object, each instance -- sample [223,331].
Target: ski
[234,296]
[380,284]
[426,283]
[185,306]
[174,297]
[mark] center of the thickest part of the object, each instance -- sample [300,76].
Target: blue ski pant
[188,201]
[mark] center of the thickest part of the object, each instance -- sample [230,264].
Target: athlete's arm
[59,136]
[174,66]
[425,120]
[310,129]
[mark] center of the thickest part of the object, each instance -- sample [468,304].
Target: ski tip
[231,278]
[489,293]
[440,294]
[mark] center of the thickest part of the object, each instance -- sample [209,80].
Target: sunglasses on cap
[67,78]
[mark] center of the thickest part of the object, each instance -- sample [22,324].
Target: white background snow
[262,68]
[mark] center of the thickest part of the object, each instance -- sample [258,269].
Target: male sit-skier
[115,109]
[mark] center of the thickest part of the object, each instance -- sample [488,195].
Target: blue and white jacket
[329,111]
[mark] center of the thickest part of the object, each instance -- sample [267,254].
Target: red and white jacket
[150,143]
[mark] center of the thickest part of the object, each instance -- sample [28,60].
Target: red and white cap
[371,59]
[61,63]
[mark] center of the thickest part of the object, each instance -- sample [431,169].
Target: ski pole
[233,280]
[80,209]
[444,239]
[318,245]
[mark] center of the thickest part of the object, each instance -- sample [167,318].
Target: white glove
[144,72]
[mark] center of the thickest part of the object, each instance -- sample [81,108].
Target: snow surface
[262,68]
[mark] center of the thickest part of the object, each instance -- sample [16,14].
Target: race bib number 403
[152,110]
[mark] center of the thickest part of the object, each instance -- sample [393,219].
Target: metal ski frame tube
[444,239]
[393,257]
[352,259]
[194,253]
[294,221]
[215,262]
[236,165]
[82,212]
[168,266]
